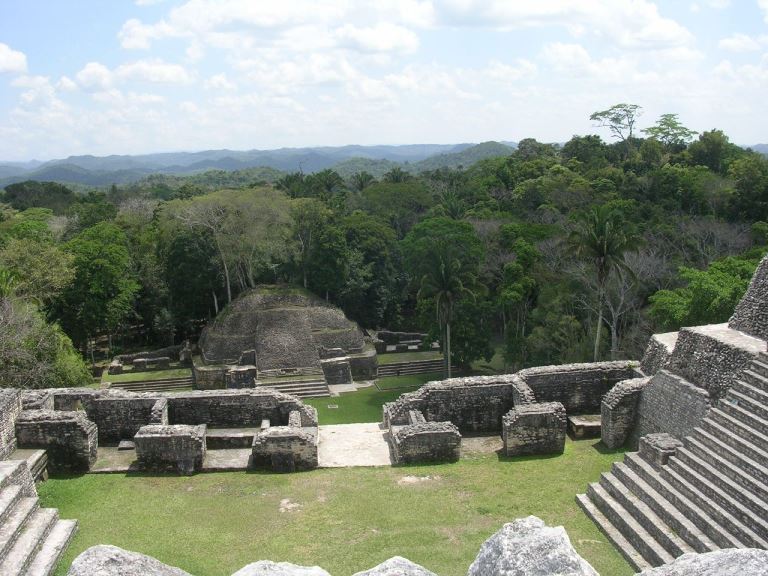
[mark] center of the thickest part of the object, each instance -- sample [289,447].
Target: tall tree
[620,119]
[443,257]
[669,131]
[602,235]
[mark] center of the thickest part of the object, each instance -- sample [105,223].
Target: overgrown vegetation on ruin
[342,519]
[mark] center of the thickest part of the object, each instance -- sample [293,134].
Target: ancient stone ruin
[285,338]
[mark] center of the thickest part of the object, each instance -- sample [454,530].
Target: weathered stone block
[159,412]
[396,566]
[177,448]
[364,366]
[37,400]
[69,438]
[336,371]
[669,403]
[658,448]
[10,408]
[751,314]
[105,560]
[618,411]
[658,352]
[241,377]
[426,442]
[115,367]
[534,429]
[285,449]
[209,377]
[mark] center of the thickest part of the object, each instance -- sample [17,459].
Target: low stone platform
[229,438]
[584,426]
[346,445]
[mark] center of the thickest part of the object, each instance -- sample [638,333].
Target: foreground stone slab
[396,566]
[114,561]
[345,445]
[268,568]
[528,547]
[731,562]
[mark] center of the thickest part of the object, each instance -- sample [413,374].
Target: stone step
[736,518]
[626,549]
[740,428]
[757,393]
[729,480]
[751,376]
[29,541]
[760,365]
[728,436]
[754,421]
[9,496]
[46,559]
[303,389]
[653,552]
[9,469]
[684,501]
[645,516]
[747,402]
[663,508]
[14,523]
[743,461]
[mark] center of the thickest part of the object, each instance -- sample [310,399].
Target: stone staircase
[301,389]
[32,539]
[165,385]
[712,494]
[412,367]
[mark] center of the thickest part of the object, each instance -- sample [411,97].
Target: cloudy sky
[127,77]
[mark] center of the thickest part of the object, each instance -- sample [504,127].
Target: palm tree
[445,281]
[602,236]
[7,283]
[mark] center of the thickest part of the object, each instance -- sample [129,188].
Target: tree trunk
[215,302]
[599,324]
[448,346]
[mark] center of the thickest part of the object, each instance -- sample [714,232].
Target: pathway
[346,445]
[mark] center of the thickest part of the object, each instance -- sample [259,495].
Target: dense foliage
[550,253]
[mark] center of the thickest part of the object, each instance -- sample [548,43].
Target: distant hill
[123,169]
[465,157]
[761,148]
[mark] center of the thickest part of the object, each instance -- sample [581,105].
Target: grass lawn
[345,520]
[361,406]
[396,357]
[150,375]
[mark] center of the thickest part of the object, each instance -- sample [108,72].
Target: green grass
[150,375]
[409,381]
[361,406]
[348,519]
[396,357]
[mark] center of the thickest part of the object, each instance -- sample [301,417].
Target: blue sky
[128,77]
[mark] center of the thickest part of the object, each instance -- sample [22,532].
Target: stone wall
[240,377]
[618,412]
[285,449]
[169,351]
[177,448]
[534,429]
[425,442]
[69,438]
[10,407]
[751,314]
[364,366]
[119,416]
[159,412]
[711,357]
[658,352]
[578,387]
[36,400]
[669,403]
[209,377]
[336,370]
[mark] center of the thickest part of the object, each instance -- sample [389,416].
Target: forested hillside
[551,253]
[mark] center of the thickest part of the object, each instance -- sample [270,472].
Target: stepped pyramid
[707,407]
[32,539]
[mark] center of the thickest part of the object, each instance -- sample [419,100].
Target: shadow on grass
[528,458]
[603,449]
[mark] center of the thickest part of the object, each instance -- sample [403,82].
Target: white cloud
[12,60]
[66,84]
[384,37]
[220,82]
[147,2]
[94,76]
[739,43]
[763,4]
[154,70]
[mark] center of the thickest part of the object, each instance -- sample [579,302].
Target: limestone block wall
[751,314]
[69,438]
[658,352]
[176,448]
[119,417]
[425,442]
[711,357]
[285,449]
[36,400]
[337,370]
[578,387]
[209,377]
[240,377]
[364,366]
[159,412]
[534,429]
[72,398]
[10,408]
[669,403]
[618,411]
